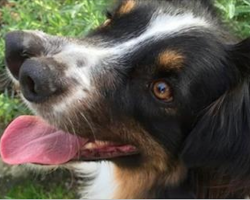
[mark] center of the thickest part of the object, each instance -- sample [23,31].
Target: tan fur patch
[156,169]
[170,59]
[127,7]
[146,181]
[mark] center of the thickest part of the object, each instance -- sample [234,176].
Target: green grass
[29,190]
[55,185]
[73,18]
[10,108]
[68,17]
[236,13]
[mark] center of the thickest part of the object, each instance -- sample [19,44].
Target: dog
[154,103]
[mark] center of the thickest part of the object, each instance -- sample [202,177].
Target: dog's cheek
[150,172]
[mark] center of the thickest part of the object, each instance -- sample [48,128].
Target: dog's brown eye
[162,91]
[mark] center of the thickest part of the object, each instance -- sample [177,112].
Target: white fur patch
[160,27]
[75,95]
[101,182]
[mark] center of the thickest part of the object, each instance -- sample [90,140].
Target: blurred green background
[70,18]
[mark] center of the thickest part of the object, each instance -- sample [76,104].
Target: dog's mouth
[29,139]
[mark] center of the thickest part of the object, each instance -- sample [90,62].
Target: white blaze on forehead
[161,26]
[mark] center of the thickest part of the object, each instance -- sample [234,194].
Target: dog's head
[157,87]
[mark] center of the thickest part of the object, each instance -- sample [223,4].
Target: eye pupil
[162,87]
[162,91]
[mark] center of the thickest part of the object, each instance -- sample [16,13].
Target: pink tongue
[29,139]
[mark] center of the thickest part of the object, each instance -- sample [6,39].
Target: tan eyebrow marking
[127,7]
[170,59]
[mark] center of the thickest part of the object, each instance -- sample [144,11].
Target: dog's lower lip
[107,157]
[94,159]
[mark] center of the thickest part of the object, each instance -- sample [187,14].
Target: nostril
[29,84]
[29,87]
[37,81]
[34,88]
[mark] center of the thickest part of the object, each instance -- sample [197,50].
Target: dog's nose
[38,82]
[19,46]
[23,55]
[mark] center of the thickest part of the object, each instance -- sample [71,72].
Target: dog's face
[132,90]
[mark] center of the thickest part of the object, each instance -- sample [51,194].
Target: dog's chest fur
[97,180]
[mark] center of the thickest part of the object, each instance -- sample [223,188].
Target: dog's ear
[222,133]
[239,55]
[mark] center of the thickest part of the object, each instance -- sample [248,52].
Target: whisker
[5,81]
[74,132]
[89,124]
[78,145]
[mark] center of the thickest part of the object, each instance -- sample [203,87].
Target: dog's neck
[105,180]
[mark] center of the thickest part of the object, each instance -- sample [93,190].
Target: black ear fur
[221,136]
[240,56]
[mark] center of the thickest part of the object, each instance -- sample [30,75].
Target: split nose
[37,80]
